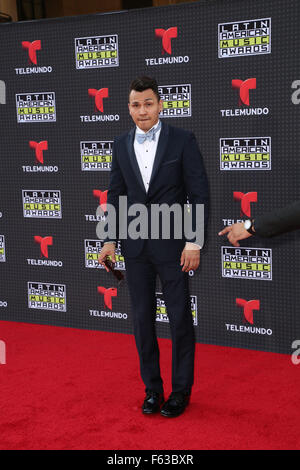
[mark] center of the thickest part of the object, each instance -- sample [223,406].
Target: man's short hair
[144,83]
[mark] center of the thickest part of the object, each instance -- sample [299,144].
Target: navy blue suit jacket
[178,173]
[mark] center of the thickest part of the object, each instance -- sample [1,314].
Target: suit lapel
[132,158]
[160,151]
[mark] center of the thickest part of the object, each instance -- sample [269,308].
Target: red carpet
[64,388]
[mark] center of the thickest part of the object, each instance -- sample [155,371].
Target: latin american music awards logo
[247,263]
[42,204]
[2,249]
[161,309]
[47,296]
[92,249]
[36,107]
[96,52]
[96,155]
[240,38]
[177,101]
[245,153]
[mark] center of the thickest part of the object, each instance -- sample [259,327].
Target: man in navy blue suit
[155,164]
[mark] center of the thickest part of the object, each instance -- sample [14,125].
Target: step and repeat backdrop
[227,70]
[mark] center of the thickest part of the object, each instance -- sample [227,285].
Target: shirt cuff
[192,246]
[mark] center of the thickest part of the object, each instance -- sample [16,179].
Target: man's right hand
[107,250]
[236,232]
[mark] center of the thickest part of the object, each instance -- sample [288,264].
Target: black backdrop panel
[245,298]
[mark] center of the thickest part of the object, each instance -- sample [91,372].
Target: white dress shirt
[145,155]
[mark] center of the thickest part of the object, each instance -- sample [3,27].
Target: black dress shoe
[176,404]
[152,402]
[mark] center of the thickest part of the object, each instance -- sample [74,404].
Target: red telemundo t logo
[248,307]
[108,294]
[244,87]
[32,47]
[39,147]
[102,197]
[99,95]
[166,35]
[44,243]
[245,199]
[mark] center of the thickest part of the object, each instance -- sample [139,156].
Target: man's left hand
[190,260]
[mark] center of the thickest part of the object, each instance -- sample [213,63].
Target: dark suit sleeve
[195,181]
[278,221]
[117,187]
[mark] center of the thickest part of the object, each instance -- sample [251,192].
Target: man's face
[144,108]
